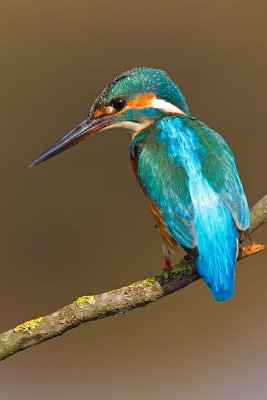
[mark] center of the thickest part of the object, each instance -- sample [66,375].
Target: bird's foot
[247,235]
[167,264]
[243,235]
[189,259]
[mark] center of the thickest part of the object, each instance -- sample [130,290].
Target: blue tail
[217,248]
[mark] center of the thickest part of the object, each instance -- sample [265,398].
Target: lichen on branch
[92,307]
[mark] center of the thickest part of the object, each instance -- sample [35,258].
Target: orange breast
[166,237]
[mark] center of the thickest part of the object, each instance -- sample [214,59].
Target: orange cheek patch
[99,113]
[141,101]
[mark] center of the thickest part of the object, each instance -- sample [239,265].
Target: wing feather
[165,182]
[219,168]
[163,170]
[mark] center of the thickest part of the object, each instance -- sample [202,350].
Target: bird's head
[133,100]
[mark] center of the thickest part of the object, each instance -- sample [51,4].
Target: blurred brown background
[78,224]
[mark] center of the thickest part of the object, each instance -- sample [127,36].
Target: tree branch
[138,294]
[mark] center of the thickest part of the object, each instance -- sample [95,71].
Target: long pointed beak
[78,134]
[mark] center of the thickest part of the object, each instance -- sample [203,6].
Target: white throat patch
[130,125]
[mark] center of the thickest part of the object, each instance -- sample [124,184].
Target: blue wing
[218,166]
[165,181]
[189,171]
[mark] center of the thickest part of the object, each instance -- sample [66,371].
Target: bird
[185,169]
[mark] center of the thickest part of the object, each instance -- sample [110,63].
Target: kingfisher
[186,171]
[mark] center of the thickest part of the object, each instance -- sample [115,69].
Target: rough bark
[138,294]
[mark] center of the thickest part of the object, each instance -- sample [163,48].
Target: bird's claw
[247,235]
[189,259]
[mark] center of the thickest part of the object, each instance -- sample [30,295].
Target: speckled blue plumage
[141,80]
[189,171]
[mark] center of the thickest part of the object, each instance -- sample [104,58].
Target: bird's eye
[119,103]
